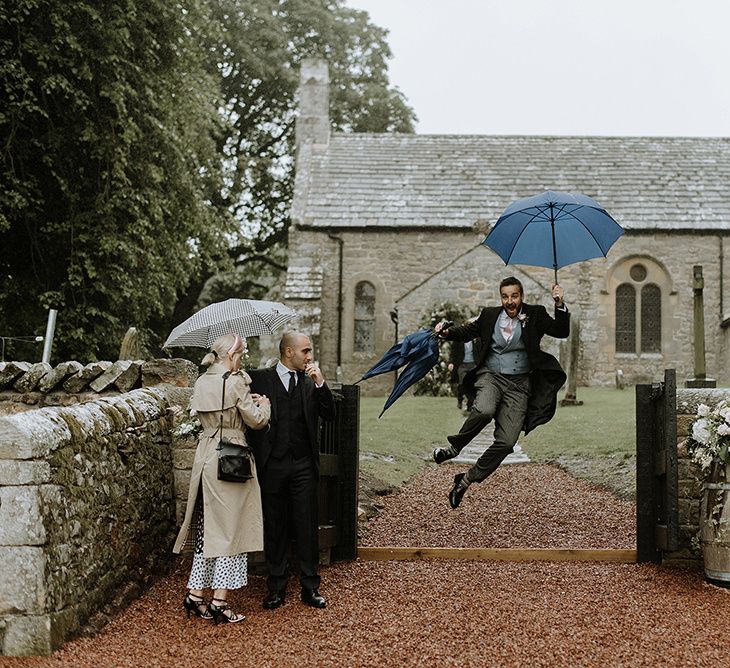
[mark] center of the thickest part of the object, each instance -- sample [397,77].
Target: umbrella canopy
[419,351]
[553,229]
[245,317]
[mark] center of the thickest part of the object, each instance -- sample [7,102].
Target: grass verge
[396,446]
[604,425]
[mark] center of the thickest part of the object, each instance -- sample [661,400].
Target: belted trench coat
[233,520]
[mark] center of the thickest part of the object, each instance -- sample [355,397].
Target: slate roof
[454,180]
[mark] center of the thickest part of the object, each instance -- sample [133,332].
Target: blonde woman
[223,520]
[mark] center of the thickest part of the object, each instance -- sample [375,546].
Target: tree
[256,51]
[109,142]
[147,146]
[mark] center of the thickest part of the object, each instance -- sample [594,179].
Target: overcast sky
[580,67]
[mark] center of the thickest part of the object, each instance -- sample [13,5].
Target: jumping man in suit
[515,382]
[287,459]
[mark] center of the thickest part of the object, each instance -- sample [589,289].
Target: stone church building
[387,226]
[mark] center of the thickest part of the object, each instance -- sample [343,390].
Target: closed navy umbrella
[419,351]
[553,229]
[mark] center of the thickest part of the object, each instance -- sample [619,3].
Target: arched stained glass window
[651,318]
[364,318]
[625,318]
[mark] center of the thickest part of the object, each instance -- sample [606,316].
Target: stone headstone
[129,349]
[80,380]
[110,376]
[700,379]
[57,375]
[30,379]
[176,371]
[130,378]
[11,372]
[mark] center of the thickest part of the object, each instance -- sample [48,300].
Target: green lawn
[604,425]
[396,446]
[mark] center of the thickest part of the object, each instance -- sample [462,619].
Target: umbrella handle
[445,324]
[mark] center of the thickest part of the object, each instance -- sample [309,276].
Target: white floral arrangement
[710,440]
[189,426]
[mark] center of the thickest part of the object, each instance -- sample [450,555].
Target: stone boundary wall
[87,508]
[27,385]
[689,474]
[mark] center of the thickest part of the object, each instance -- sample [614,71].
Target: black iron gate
[657,517]
[338,476]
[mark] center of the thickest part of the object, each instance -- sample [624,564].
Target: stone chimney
[313,122]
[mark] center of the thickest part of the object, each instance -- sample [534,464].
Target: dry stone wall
[87,504]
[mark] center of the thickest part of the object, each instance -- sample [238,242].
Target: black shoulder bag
[234,460]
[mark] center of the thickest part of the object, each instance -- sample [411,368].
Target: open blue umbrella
[553,229]
[419,351]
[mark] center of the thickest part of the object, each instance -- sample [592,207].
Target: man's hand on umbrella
[558,293]
[440,331]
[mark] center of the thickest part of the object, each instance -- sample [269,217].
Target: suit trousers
[504,399]
[289,499]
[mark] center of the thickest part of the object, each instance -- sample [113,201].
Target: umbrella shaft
[555,250]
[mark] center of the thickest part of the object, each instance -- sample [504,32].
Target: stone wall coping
[34,434]
[689,398]
[73,377]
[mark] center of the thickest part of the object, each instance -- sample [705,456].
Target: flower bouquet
[189,427]
[709,447]
[710,440]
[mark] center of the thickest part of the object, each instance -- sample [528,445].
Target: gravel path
[523,505]
[448,613]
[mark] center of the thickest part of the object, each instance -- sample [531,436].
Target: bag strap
[223,402]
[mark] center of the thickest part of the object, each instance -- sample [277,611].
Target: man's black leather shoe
[274,600]
[457,491]
[314,598]
[440,455]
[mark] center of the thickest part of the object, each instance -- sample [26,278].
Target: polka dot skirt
[215,572]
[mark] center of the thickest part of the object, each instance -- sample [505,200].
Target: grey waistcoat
[507,358]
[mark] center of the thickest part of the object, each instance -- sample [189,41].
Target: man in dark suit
[287,462]
[515,382]
[463,359]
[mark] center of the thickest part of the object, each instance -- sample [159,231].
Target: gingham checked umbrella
[245,317]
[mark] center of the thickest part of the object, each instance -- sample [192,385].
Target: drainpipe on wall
[722,280]
[341,243]
[394,319]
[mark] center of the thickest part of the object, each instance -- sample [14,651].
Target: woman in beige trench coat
[223,520]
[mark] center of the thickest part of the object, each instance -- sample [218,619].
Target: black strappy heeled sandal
[199,608]
[218,613]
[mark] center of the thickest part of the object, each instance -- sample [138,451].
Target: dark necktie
[292,383]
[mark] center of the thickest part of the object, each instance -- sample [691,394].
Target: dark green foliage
[108,164]
[257,53]
[147,146]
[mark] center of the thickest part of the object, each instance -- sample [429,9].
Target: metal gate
[338,475]
[657,517]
